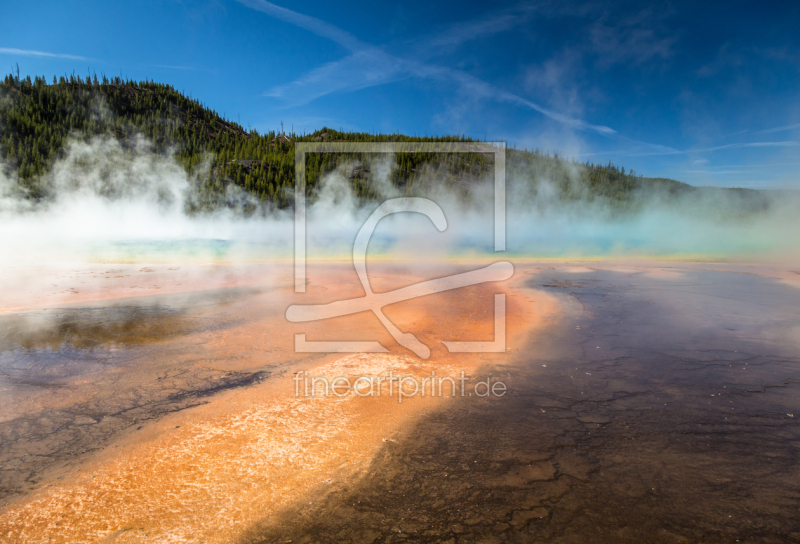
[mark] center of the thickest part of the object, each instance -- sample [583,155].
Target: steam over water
[129,203]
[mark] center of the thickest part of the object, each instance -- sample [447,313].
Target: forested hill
[38,117]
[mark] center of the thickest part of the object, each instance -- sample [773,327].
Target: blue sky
[707,94]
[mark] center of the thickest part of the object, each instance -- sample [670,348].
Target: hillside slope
[38,118]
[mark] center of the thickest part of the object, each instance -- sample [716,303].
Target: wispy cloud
[639,41]
[789,143]
[369,66]
[717,172]
[460,33]
[727,59]
[312,24]
[759,165]
[670,151]
[783,128]
[362,69]
[629,42]
[486,90]
[32,53]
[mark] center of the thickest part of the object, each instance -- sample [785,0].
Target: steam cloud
[127,202]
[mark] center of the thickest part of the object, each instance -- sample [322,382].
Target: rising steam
[111,201]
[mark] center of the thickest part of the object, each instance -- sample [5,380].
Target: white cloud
[32,53]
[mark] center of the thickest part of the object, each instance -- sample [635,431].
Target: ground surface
[646,403]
